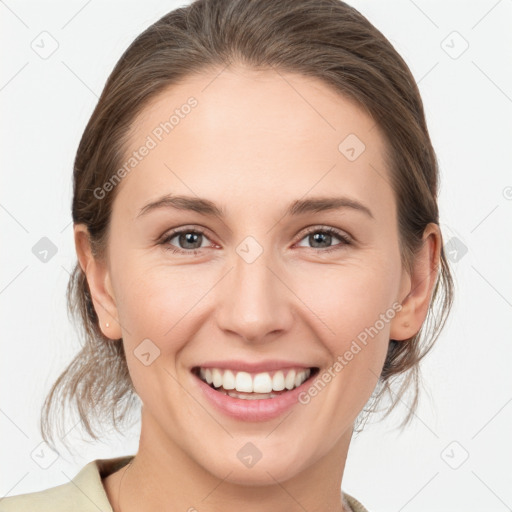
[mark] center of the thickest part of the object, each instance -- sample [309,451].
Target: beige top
[85,492]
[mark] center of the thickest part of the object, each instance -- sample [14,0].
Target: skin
[256,142]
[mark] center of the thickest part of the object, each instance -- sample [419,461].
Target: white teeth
[253,396]
[228,380]
[217,378]
[263,382]
[243,382]
[278,381]
[298,380]
[289,382]
[207,375]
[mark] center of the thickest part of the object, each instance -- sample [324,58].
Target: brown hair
[324,39]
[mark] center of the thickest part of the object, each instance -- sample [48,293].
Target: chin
[265,471]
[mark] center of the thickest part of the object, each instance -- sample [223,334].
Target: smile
[253,386]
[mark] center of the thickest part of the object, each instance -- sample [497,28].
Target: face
[258,274]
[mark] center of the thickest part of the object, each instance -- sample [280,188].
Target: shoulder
[62,497]
[84,493]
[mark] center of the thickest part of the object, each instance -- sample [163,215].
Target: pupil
[190,238]
[319,237]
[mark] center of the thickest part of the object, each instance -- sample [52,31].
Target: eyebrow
[298,207]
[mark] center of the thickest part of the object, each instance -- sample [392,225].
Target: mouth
[254,386]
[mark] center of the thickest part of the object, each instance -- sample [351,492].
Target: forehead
[238,132]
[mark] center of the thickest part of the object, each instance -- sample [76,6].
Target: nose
[254,302]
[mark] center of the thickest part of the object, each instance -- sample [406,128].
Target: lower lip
[263,409]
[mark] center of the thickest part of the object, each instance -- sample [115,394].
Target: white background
[468,385]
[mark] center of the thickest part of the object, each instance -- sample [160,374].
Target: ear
[98,279]
[417,287]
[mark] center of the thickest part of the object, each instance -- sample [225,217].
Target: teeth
[228,381]
[278,381]
[206,375]
[289,382]
[298,380]
[217,378]
[252,396]
[245,382]
[262,383]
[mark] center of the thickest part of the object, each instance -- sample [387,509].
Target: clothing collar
[89,481]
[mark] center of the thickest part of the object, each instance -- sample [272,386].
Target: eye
[188,241]
[321,237]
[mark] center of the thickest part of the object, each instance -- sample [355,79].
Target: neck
[162,476]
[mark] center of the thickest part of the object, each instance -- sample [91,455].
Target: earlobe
[98,279]
[418,287]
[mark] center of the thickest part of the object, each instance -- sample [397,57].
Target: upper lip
[254,367]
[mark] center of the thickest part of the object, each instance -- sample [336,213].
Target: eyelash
[346,240]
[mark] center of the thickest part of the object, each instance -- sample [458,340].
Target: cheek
[156,300]
[156,304]
[349,298]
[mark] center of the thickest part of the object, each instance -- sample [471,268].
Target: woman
[259,256]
